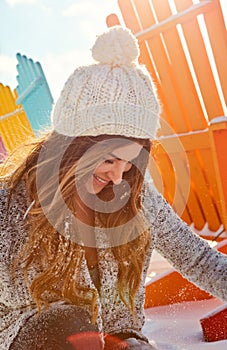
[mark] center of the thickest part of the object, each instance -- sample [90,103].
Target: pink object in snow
[3,152]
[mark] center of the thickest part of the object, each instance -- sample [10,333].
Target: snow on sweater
[170,236]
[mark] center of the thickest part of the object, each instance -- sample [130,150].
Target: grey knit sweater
[170,236]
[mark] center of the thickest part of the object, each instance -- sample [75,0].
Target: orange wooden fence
[184,46]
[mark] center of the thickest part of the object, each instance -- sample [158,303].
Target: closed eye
[109,161]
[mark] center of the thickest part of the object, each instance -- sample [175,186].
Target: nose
[116,173]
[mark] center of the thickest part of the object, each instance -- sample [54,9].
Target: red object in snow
[93,341]
[214,324]
[85,340]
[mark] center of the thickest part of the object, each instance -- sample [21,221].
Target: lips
[100,180]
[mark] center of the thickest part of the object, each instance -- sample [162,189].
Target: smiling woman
[113,168]
[79,221]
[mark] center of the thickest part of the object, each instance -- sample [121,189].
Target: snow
[218,120]
[177,326]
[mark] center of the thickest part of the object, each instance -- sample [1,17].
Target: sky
[57,33]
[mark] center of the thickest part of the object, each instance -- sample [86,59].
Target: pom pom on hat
[116,47]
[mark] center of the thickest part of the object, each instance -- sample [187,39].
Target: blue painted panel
[33,93]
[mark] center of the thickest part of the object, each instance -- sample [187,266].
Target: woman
[79,222]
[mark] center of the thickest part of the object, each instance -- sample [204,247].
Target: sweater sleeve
[12,238]
[186,251]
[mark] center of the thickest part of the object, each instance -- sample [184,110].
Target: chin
[92,189]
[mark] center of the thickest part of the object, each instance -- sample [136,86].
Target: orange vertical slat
[218,38]
[200,60]
[131,21]
[209,211]
[185,89]
[174,189]
[168,100]
[168,86]
[176,175]
[183,182]
[164,164]
[218,138]
[186,216]
[211,177]
[194,210]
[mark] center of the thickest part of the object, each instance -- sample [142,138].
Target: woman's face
[113,167]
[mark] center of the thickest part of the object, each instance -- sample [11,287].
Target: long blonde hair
[58,258]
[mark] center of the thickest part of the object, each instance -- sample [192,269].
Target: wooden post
[218,139]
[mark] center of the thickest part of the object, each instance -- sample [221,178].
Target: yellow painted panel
[15,128]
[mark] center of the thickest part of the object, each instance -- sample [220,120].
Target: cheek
[102,168]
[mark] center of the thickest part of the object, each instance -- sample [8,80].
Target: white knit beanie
[115,96]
